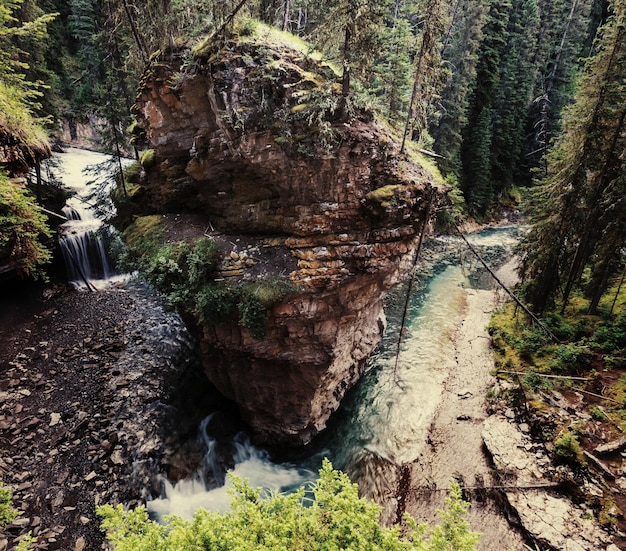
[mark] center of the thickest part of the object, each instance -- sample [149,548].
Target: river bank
[95,391]
[455,446]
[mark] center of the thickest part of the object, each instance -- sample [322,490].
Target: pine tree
[460,53]
[32,29]
[565,32]
[579,218]
[427,72]
[351,32]
[513,96]
[476,180]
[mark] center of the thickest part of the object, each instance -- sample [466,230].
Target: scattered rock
[611,447]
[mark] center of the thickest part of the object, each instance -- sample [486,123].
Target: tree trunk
[141,46]
[286,9]
[345,79]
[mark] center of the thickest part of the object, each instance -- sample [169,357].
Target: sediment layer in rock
[242,141]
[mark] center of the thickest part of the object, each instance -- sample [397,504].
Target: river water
[385,421]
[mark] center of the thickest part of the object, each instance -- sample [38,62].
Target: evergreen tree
[460,54]
[391,72]
[427,73]
[580,213]
[513,96]
[31,29]
[565,31]
[351,32]
[476,180]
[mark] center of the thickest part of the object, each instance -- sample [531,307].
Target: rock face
[550,519]
[248,141]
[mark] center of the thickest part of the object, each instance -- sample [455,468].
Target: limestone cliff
[244,135]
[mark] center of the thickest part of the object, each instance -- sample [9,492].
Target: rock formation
[245,135]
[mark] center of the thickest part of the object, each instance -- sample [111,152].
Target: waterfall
[208,487]
[83,238]
[83,248]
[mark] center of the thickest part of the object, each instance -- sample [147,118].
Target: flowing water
[384,421]
[83,238]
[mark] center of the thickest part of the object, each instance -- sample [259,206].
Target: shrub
[330,516]
[567,449]
[570,357]
[611,337]
[23,226]
[7,513]
[531,342]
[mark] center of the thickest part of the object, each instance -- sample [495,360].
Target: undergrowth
[187,274]
[588,358]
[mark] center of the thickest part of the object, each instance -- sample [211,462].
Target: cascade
[83,237]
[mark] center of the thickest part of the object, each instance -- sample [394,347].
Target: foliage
[567,449]
[23,226]
[17,120]
[610,338]
[7,512]
[12,58]
[186,274]
[571,357]
[577,212]
[329,516]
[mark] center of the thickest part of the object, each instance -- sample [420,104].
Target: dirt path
[455,447]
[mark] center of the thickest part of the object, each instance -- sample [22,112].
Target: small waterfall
[83,238]
[208,487]
[83,247]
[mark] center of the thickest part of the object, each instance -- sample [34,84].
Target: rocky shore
[94,388]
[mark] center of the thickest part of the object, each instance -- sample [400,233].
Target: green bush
[569,358]
[536,382]
[7,513]
[186,275]
[611,337]
[23,227]
[567,449]
[531,342]
[329,517]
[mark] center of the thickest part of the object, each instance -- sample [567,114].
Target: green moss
[383,195]
[18,121]
[132,173]
[300,107]
[148,159]
[144,230]
[567,449]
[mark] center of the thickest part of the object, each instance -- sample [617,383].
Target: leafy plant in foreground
[331,516]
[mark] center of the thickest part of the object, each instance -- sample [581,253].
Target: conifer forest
[370,127]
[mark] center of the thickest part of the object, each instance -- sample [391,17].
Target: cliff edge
[247,149]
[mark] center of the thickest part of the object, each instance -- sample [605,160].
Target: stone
[611,447]
[55,418]
[551,520]
[340,243]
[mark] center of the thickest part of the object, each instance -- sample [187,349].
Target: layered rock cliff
[245,135]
